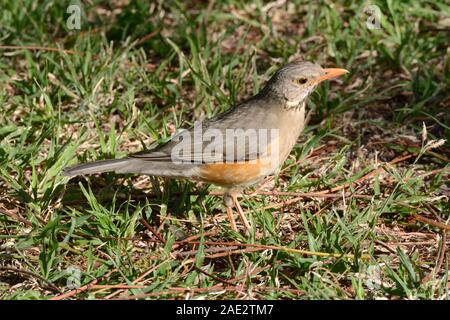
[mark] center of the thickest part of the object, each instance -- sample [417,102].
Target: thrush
[237,148]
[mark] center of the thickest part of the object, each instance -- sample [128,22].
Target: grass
[137,71]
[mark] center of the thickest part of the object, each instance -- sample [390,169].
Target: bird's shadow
[111,190]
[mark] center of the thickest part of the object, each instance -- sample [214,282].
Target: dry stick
[213,276]
[16,217]
[384,245]
[117,286]
[81,289]
[149,36]
[195,237]
[423,219]
[441,254]
[431,222]
[29,273]
[75,291]
[435,171]
[152,230]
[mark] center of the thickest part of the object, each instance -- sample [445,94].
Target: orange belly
[231,174]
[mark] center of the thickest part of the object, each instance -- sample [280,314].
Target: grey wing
[228,137]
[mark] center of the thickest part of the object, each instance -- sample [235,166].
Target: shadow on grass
[112,190]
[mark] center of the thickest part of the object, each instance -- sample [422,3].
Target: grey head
[296,80]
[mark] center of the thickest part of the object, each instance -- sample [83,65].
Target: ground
[360,209]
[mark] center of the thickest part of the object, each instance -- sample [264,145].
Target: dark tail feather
[97,167]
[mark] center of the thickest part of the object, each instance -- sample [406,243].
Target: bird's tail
[118,165]
[133,165]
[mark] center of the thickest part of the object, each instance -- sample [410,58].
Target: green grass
[138,71]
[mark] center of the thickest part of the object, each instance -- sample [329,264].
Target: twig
[435,171]
[149,36]
[195,237]
[75,291]
[81,289]
[441,253]
[152,230]
[384,245]
[16,217]
[213,276]
[117,286]
[29,273]
[431,222]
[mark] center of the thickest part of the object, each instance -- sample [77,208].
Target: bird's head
[296,80]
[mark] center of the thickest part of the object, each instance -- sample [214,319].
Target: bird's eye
[302,80]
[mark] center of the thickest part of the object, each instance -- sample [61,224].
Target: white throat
[294,103]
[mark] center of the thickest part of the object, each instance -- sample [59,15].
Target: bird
[237,148]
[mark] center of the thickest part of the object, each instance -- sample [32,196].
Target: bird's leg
[241,213]
[228,202]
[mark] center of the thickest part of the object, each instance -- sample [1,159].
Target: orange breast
[231,174]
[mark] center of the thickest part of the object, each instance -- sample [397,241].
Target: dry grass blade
[16,217]
[290,250]
[38,48]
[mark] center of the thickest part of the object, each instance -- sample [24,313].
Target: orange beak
[331,73]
